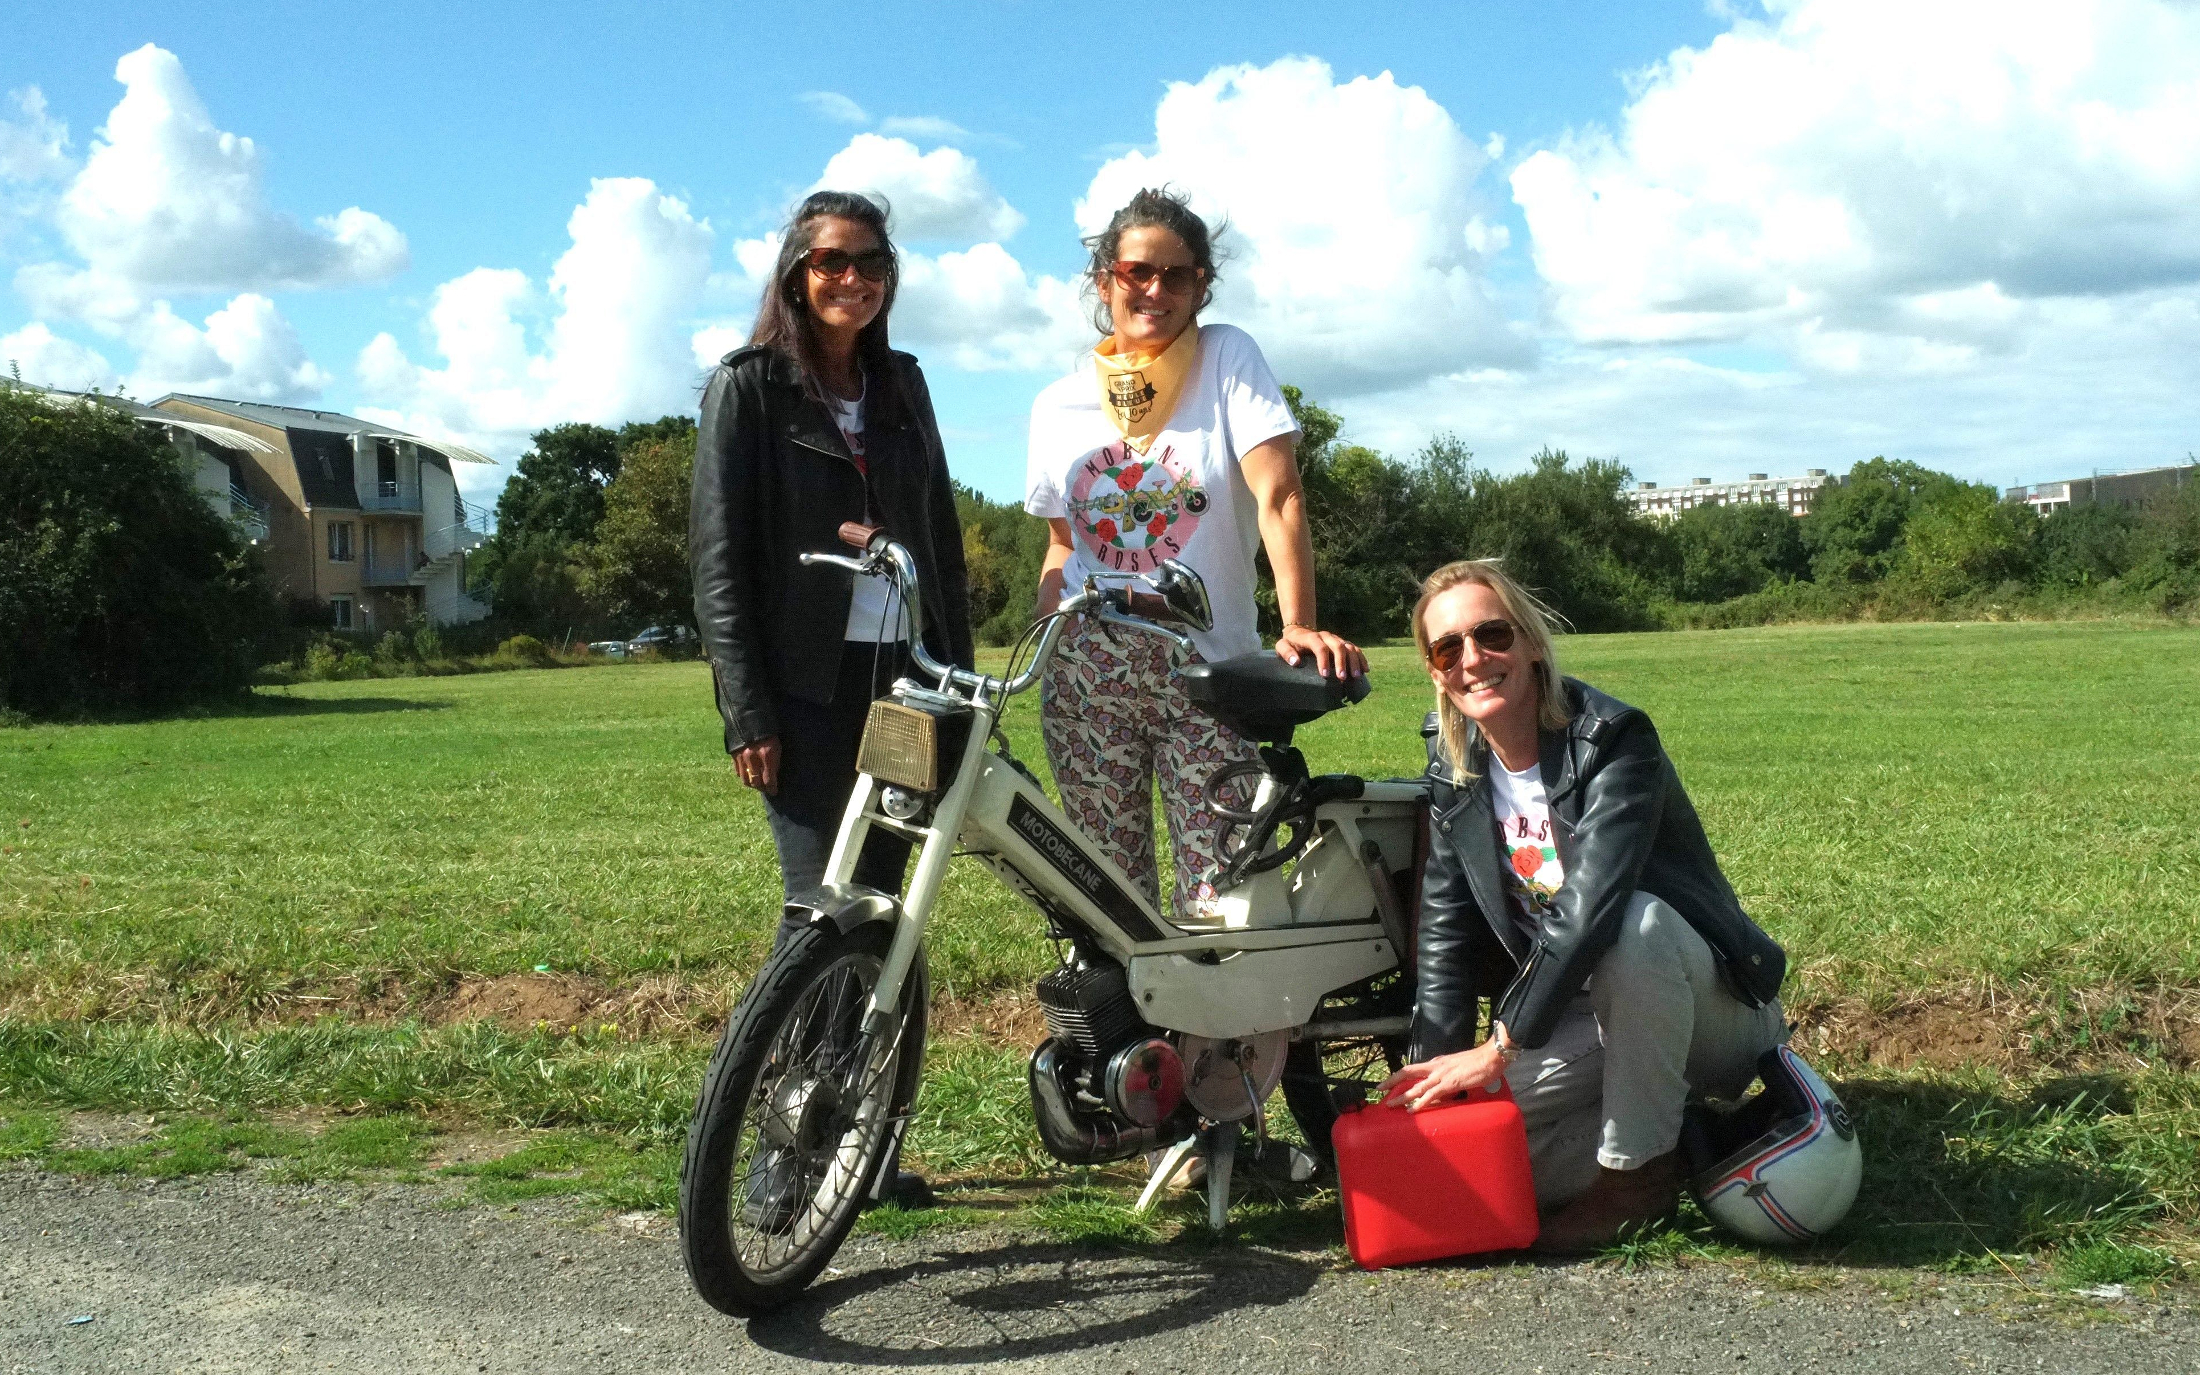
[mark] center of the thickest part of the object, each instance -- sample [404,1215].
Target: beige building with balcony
[1793,495]
[359,517]
[2134,488]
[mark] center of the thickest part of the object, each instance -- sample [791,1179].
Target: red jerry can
[1448,1181]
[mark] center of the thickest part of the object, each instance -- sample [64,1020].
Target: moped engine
[1104,1085]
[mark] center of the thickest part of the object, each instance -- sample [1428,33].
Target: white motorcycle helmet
[1784,1166]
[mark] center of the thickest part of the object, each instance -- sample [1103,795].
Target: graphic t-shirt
[872,597]
[1532,872]
[1184,498]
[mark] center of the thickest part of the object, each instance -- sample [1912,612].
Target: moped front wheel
[794,1120]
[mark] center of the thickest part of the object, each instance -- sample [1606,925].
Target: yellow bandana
[1139,392]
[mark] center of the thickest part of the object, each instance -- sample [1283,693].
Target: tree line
[120,588]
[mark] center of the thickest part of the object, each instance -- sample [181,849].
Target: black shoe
[774,1191]
[908,1192]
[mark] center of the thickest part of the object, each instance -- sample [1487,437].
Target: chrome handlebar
[888,558]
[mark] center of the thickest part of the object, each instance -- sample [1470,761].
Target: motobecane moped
[1167,1032]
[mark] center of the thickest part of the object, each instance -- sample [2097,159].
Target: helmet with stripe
[1784,1166]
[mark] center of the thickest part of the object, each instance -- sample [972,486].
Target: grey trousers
[1656,1026]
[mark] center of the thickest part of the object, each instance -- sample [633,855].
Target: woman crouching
[1564,846]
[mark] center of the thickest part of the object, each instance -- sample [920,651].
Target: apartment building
[2132,488]
[1793,495]
[361,518]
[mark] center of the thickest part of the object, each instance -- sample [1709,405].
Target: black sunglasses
[872,264]
[1493,637]
[1139,276]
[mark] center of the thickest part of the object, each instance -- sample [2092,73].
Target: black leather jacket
[1622,823]
[773,480]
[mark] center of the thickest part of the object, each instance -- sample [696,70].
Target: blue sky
[1705,240]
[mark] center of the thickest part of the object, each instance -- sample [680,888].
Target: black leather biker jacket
[773,480]
[1622,823]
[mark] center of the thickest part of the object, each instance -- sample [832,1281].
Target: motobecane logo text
[1098,886]
[1025,820]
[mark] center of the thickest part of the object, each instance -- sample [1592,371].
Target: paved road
[231,1274]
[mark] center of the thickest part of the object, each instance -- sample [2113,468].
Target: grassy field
[1980,844]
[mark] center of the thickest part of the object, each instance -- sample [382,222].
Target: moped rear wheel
[794,1119]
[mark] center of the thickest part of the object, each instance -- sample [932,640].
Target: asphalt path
[233,1274]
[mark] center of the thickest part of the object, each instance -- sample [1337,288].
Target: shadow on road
[1019,1301]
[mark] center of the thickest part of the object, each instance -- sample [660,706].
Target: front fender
[844,906]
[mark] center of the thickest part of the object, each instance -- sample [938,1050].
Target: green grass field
[1963,833]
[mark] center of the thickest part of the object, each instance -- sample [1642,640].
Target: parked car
[610,649]
[671,641]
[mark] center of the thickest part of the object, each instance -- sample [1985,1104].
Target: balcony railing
[247,515]
[468,530]
[391,496]
[384,572]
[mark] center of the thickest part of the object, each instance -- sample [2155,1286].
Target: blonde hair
[1531,622]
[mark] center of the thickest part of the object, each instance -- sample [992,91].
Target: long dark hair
[1155,207]
[783,318]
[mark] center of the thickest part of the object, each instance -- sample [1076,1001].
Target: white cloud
[929,127]
[615,345]
[1850,174]
[36,148]
[169,202]
[1376,280]
[43,357]
[245,350]
[834,106]
[985,312]
[940,195]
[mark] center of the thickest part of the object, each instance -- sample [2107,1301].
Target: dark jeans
[817,772]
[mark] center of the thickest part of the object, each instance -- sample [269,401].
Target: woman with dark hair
[1168,440]
[1569,878]
[814,422]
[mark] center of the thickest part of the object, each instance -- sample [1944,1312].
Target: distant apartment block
[2105,489]
[1793,495]
[358,517]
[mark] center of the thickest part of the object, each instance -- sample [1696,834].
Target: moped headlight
[900,745]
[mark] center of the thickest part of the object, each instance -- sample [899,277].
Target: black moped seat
[1263,698]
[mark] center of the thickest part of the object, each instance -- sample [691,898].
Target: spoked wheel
[796,1113]
[1317,1074]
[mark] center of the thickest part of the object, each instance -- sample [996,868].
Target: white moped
[1166,1031]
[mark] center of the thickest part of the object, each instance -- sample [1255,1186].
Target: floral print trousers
[1115,718]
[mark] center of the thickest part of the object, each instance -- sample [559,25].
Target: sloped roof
[331,422]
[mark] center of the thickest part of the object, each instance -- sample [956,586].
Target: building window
[341,607]
[339,541]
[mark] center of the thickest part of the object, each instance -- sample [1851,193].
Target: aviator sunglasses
[1138,276]
[833,263]
[1492,637]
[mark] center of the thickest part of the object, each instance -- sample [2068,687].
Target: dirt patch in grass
[2014,1030]
[1006,1019]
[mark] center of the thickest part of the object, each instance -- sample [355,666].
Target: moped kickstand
[1217,1145]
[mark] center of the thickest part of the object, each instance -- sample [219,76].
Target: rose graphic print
[1129,512]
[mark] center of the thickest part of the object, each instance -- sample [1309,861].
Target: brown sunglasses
[1138,276]
[832,264]
[1493,637]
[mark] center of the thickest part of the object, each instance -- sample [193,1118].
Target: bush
[393,652]
[428,643]
[523,650]
[123,588]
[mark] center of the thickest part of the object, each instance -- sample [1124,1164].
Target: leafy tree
[1003,546]
[2084,546]
[1854,529]
[1963,537]
[1567,532]
[1730,551]
[119,585]
[557,489]
[636,569]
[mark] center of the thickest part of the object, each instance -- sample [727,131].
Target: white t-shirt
[1184,498]
[868,606]
[1532,872]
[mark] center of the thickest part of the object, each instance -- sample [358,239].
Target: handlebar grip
[1148,606]
[857,535]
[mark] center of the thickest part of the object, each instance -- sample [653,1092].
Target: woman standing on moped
[1168,440]
[1567,854]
